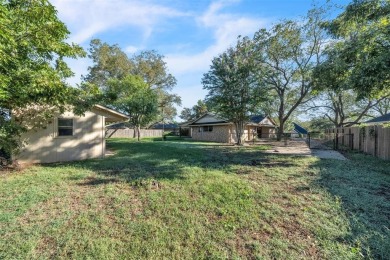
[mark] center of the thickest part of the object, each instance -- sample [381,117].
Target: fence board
[384,143]
[373,139]
[356,134]
[128,133]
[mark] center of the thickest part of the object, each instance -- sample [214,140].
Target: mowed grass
[181,199]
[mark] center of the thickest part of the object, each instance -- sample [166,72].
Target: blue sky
[188,33]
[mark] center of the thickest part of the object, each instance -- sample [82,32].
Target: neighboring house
[298,131]
[184,129]
[69,137]
[209,127]
[379,120]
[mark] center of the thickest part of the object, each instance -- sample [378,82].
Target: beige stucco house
[69,137]
[210,127]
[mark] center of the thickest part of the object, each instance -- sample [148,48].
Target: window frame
[207,128]
[64,127]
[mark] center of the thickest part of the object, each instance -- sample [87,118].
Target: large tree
[32,68]
[353,79]
[362,35]
[151,67]
[287,54]
[234,89]
[383,107]
[110,62]
[136,99]
[196,111]
[342,108]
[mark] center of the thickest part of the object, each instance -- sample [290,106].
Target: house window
[207,128]
[65,127]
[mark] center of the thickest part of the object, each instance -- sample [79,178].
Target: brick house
[210,127]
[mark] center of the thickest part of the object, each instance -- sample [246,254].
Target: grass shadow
[362,185]
[153,159]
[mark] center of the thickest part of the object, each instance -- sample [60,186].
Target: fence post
[376,141]
[351,141]
[308,136]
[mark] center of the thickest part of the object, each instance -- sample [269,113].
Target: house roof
[211,119]
[256,119]
[110,114]
[262,120]
[122,125]
[165,126]
[184,124]
[380,119]
[299,129]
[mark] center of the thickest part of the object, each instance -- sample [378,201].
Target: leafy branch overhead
[32,67]
[110,62]
[359,58]
[134,97]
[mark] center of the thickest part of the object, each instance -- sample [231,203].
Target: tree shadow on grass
[362,184]
[152,160]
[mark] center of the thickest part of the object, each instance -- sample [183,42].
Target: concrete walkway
[299,147]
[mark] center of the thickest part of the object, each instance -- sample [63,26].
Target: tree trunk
[280,129]
[239,132]
[139,132]
[135,132]
[281,116]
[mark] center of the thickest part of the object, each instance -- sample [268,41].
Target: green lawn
[182,199]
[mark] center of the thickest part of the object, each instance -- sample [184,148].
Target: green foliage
[136,99]
[354,75]
[287,54]
[359,58]
[188,114]
[319,124]
[342,108]
[32,67]
[110,62]
[233,86]
[151,67]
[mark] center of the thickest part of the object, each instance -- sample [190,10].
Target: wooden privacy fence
[129,133]
[374,140]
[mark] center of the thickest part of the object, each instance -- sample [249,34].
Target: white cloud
[89,17]
[227,27]
[131,49]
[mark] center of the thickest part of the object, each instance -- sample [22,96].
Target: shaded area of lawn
[362,188]
[183,199]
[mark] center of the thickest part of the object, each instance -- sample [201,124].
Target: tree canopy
[32,67]
[196,111]
[136,99]
[287,54]
[234,89]
[352,80]
[361,50]
[110,62]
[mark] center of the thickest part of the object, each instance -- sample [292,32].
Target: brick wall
[219,134]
